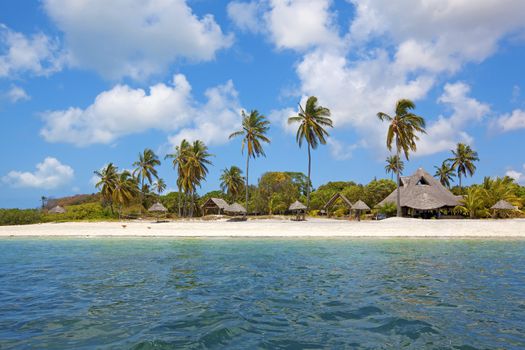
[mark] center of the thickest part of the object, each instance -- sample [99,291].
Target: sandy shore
[393,227]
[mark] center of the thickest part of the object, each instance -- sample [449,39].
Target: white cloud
[518,176]
[49,174]
[16,94]
[340,150]
[289,24]
[37,54]
[135,38]
[445,132]
[510,122]
[123,110]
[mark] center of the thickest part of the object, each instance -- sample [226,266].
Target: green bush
[87,211]
[19,216]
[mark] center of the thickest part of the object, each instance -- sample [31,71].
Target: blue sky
[84,83]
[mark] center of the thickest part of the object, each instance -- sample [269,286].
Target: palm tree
[194,169]
[159,186]
[402,129]
[254,129]
[312,119]
[445,173]
[473,203]
[126,187]
[106,184]
[392,164]
[232,181]
[179,161]
[145,169]
[463,161]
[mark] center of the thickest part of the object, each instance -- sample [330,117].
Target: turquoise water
[261,293]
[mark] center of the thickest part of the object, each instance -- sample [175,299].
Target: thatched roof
[360,205]
[334,198]
[158,207]
[295,206]
[421,191]
[57,210]
[216,202]
[235,208]
[503,205]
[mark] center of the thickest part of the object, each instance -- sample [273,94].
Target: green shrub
[19,216]
[87,211]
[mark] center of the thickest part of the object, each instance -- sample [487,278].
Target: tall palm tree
[159,186]
[393,165]
[179,160]
[403,130]
[145,169]
[254,129]
[232,181]
[107,182]
[126,187]
[445,173]
[463,161]
[312,119]
[195,169]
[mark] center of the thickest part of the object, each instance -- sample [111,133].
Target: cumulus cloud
[289,24]
[518,176]
[16,94]
[445,132]
[123,110]
[49,174]
[37,54]
[510,121]
[135,38]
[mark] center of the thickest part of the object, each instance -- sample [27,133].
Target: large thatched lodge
[423,196]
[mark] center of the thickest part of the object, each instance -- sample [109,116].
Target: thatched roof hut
[297,206]
[158,207]
[235,208]
[334,199]
[57,210]
[360,205]
[214,205]
[503,205]
[421,192]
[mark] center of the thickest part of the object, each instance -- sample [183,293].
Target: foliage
[87,211]
[19,216]
[389,209]
[445,173]
[394,164]
[474,203]
[276,191]
[463,160]
[232,182]
[376,191]
[145,168]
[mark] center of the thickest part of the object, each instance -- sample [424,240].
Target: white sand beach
[393,227]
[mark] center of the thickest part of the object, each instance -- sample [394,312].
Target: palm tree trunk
[247,169]
[460,187]
[179,200]
[308,184]
[184,211]
[142,195]
[399,214]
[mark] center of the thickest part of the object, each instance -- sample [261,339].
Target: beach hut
[334,199]
[422,195]
[359,207]
[503,206]
[158,208]
[57,210]
[214,206]
[299,209]
[236,210]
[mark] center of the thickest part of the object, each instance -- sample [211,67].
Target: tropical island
[137,196]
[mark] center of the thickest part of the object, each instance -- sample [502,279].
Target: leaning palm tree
[145,169]
[445,173]
[126,187]
[179,161]
[312,119]
[232,181]
[463,161]
[403,130]
[106,184]
[254,129]
[394,165]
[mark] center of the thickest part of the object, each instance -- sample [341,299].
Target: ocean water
[261,294]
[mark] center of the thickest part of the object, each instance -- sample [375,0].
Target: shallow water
[261,293]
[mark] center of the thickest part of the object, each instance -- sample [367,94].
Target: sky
[88,82]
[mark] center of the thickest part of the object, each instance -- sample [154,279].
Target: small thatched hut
[235,209]
[359,207]
[57,210]
[503,205]
[158,207]
[422,195]
[299,209]
[334,199]
[214,206]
